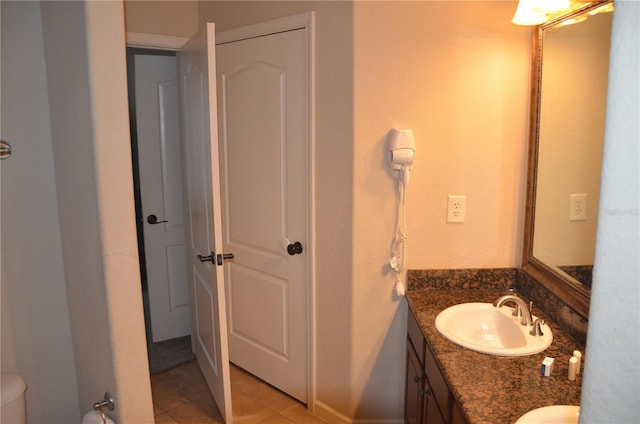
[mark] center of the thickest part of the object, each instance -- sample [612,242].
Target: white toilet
[13,410]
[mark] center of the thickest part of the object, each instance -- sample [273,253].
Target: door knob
[294,248]
[224,257]
[5,149]
[219,257]
[208,258]
[152,219]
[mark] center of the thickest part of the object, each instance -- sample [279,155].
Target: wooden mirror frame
[561,285]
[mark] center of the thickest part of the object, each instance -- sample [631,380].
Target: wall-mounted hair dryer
[402,148]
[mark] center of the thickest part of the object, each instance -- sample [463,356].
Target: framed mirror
[568,104]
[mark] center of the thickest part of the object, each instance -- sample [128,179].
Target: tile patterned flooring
[181,396]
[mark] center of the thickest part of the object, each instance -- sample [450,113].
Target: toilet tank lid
[12,386]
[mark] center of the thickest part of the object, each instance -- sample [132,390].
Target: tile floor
[181,395]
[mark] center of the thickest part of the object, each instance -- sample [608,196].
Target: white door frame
[300,21]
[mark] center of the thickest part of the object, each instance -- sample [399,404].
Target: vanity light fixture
[528,13]
[536,12]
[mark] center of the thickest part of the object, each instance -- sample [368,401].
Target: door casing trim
[154,41]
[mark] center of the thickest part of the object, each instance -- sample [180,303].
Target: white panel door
[201,168]
[264,134]
[158,135]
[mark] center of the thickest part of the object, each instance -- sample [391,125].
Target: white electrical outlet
[578,207]
[456,208]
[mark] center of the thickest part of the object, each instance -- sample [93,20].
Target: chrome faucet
[521,308]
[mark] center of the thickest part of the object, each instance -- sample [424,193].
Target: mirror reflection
[573,90]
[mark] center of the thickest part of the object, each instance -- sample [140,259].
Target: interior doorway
[294,23]
[157,187]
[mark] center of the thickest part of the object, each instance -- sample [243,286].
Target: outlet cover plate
[578,207]
[456,208]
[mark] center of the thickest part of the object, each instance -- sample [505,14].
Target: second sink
[484,328]
[555,414]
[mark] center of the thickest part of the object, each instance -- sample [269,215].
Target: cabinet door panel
[428,399]
[414,388]
[436,381]
[432,413]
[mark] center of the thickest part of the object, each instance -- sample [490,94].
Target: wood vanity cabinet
[428,399]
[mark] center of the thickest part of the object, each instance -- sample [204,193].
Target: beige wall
[174,18]
[86,73]
[455,72]
[72,321]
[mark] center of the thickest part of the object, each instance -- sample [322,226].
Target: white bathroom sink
[484,328]
[556,414]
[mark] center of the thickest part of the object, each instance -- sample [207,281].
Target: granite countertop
[494,389]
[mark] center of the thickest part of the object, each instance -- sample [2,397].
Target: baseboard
[332,416]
